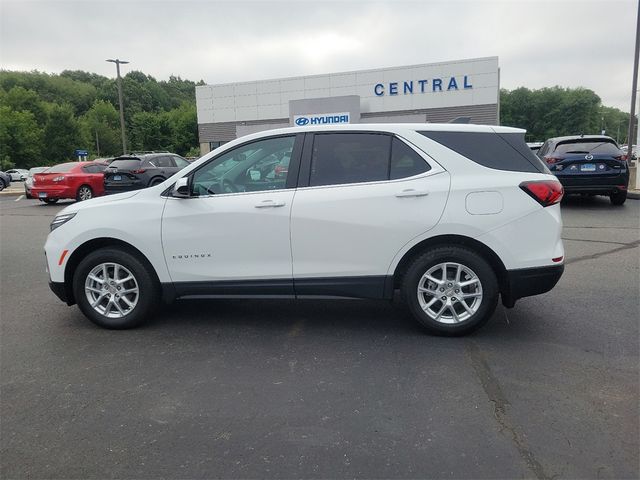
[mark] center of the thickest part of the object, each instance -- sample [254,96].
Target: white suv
[452,216]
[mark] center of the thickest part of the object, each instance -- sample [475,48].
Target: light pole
[119,82]
[632,117]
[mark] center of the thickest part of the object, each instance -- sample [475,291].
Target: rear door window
[163,162]
[343,158]
[505,151]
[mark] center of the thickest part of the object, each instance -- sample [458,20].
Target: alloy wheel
[112,290]
[85,193]
[450,293]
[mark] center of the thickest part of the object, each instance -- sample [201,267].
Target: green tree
[184,128]
[21,138]
[61,133]
[20,99]
[100,129]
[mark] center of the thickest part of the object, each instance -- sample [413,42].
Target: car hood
[98,201]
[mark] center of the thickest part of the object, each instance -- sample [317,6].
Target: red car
[78,180]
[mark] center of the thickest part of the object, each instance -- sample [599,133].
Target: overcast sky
[539,43]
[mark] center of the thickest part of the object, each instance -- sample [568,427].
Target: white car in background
[451,216]
[18,174]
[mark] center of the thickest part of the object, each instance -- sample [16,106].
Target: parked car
[77,180]
[5,180]
[28,183]
[18,174]
[133,172]
[534,146]
[588,164]
[452,216]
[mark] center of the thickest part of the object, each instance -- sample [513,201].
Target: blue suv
[588,164]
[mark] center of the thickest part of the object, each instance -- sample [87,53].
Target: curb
[633,194]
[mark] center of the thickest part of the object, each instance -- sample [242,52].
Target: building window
[214,145]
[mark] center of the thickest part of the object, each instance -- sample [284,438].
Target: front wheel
[84,193]
[49,201]
[450,291]
[619,197]
[114,289]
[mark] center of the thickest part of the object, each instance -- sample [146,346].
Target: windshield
[604,146]
[126,164]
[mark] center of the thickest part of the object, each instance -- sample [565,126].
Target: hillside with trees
[45,117]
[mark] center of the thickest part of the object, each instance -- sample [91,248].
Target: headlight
[61,220]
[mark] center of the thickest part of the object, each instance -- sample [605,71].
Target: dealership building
[457,91]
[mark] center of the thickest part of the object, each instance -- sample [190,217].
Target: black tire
[148,296]
[2,185]
[468,259]
[49,201]
[156,181]
[85,192]
[619,197]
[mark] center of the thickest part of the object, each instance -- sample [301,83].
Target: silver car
[28,183]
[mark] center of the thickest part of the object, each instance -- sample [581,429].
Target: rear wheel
[114,289]
[619,197]
[2,185]
[84,193]
[450,290]
[156,181]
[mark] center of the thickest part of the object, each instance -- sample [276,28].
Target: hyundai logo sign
[321,119]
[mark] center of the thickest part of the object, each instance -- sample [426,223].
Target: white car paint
[333,231]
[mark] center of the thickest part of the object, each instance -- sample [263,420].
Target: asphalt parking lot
[317,389]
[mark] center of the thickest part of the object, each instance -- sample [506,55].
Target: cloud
[540,43]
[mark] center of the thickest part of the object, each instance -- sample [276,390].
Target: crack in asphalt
[625,246]
[593,241]
[494,392]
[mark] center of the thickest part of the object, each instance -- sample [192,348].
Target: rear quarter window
[504,151]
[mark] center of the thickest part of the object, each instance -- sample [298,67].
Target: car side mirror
[181,188]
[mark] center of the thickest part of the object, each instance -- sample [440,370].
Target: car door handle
[410,192]
[269,204]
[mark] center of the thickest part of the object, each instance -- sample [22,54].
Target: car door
[232,233]
[366,196]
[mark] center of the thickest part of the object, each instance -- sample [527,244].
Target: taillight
[57,179]
[545,192]
[142,170]
[551,160]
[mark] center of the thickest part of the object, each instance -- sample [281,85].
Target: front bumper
[60,290]
[526,282]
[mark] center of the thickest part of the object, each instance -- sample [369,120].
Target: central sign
[321,119]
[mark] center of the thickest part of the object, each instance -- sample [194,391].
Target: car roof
[394,127]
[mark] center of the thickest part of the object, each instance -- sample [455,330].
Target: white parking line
[19,198]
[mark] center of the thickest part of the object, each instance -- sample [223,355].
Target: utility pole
[117,61]
[97,143]
[632,118]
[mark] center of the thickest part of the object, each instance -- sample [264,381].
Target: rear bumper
[602,184]
[53,192]
[119,188]
[526,282]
